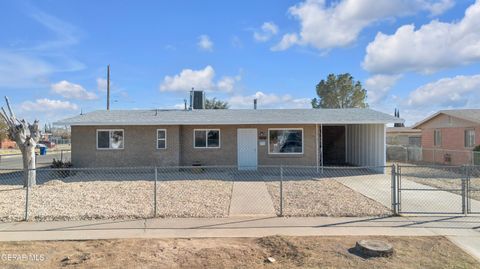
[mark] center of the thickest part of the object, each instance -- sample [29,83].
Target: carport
[351,144]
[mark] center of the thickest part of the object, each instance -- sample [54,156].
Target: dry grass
[56,200]
[325,197]
[289,252]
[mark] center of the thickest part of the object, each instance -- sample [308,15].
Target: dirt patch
[58,200]
[282,248]
[289,252]
[324,197]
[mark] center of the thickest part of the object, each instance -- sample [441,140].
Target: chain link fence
[226,191]
[424,156]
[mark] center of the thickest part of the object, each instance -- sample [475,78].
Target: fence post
[61,155]
[394,191]
[155,194]
[464,181]
[27,195]
[281,190]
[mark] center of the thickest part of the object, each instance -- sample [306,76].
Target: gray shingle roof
[472,115]
[230,116]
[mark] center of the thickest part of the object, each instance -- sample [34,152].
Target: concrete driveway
[428,200]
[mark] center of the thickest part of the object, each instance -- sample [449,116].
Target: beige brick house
[449,136]
[243,137]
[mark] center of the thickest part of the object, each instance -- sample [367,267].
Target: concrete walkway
[463,231]
[251,198]
[379,188]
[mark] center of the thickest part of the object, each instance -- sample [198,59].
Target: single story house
[404,136]
[7,144]
[449,136]
[243,137]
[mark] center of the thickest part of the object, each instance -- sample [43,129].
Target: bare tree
[26,135]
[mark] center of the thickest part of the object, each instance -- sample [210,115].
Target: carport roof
[231,117]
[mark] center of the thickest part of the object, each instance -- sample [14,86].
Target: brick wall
[453,144]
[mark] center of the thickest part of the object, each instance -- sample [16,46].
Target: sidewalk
[463,231]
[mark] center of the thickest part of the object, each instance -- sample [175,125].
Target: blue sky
[415,55]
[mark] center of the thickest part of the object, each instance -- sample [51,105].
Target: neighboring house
[7,144]
[403,144]
[449,136]
[404,136]
[243,137]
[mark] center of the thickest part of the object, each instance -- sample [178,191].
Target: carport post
[155,195]
[281,190]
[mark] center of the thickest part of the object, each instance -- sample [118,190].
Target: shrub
[61,164]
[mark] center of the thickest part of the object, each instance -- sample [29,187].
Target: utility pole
[108,87]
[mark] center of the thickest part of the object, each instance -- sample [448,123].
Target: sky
[419,56]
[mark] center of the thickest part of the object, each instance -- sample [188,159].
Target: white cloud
[227,84]
[30,65]
[46,105]
[72,90]
[378,87]
[287,41]
[265,100]
[267,31]
[339,23]
[204,43]
[101,84]
[436,45]
[202,79]
[456,92]
[17,70]
[188,78]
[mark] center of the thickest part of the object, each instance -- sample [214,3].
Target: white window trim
[464,138]
[206,142]
[285,153]
[165,139]
[109,130]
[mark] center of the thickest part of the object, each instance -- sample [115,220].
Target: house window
[437,138]
[161,139]
[110,139]
[206,138]
[285,141]
[469,138]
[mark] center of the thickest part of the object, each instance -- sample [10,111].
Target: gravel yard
[325,197]
[57,200]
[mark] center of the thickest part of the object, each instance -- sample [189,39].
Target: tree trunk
[29,172]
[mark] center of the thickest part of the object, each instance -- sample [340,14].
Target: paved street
[15,162]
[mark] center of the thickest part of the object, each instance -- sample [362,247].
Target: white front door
[247,148]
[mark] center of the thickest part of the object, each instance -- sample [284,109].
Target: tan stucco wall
[139,149]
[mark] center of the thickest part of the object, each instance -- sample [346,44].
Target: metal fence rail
[225,191]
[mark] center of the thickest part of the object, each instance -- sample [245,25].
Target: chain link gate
[436,190]
[473,190]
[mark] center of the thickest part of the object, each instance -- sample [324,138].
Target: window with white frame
[110,139]
[206,138]
[469,138]
[161,138]
[285,141]
[437,138]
